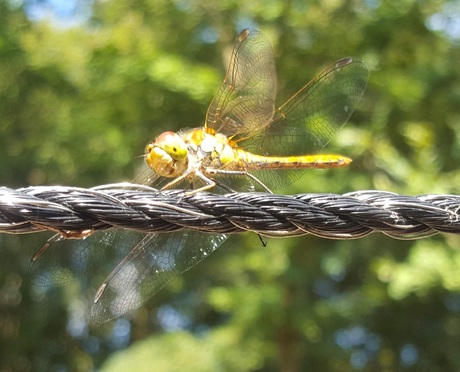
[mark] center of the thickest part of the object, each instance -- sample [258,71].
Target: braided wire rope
[75,212]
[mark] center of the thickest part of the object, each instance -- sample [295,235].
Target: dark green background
[79,102]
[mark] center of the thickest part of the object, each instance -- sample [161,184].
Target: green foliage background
[79,102]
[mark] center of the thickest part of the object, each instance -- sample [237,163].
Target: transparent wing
[325,104]
[61,260]
[64,260]
[155,257]
[310,118]
[136,273]
[246,100]
[151,264]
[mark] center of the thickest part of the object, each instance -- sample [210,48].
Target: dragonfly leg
[209,184]
[44,247]
[175,181]
[67,234]
[225,187]
[238,173]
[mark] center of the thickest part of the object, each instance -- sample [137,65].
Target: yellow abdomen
[245,161]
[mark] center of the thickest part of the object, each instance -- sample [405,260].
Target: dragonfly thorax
[208,150]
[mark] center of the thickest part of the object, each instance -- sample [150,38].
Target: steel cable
[73,210]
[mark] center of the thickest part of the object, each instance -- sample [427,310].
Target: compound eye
[172,144]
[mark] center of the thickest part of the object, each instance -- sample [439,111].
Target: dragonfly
[245,143]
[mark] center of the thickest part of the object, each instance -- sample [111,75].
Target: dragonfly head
[172,144]
[167,155]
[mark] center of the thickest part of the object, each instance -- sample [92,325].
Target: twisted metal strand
[75,212]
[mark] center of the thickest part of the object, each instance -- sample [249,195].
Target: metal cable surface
[73,210]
